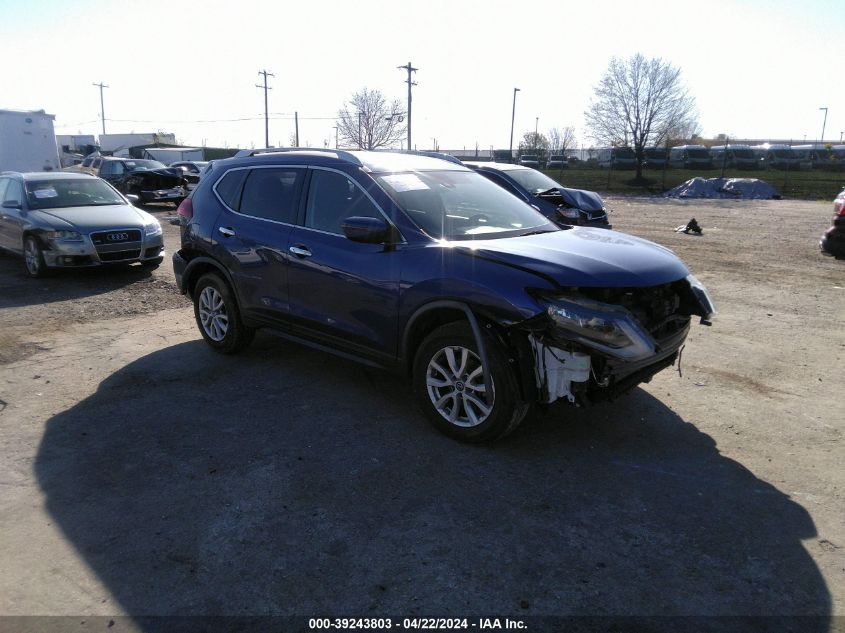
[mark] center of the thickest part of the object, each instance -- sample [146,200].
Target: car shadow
[19,289]
[284,481]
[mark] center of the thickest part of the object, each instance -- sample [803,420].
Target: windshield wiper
[548,191]
[539,231]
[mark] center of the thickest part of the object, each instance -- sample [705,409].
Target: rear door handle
[226,231]
[300,251]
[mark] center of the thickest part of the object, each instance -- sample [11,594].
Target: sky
[757,69]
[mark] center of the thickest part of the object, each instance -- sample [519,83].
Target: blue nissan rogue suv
[412,262]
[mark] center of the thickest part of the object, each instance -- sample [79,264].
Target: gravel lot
[143,474]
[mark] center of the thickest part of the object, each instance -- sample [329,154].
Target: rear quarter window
[229,188]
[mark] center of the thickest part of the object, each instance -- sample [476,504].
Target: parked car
[150,180]
[558,161]
[66,220]
[89,165]
[191,171]
[559,204]
[833,240]
[530,160]
[426,267]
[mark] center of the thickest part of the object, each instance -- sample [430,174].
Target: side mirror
[366,230]
[132,198]
[12,204]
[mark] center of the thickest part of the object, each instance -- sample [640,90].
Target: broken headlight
[569,212]
[708,310]
[604,327]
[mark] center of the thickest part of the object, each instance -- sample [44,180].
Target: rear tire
[217,315]
[449,384]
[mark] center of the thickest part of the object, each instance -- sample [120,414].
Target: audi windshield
[61,193]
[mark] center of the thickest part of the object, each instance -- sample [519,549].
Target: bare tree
[561,140]
[639,102]
[367,121]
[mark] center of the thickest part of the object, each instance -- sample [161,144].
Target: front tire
[217,316]
[449,384]
[34,257]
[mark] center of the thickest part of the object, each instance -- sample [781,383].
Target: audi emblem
[117,237]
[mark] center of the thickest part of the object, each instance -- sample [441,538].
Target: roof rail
[430,154]
[339,153]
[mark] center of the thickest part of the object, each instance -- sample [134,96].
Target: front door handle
[226,231]
[300,251]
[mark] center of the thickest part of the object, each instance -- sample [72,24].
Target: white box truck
[28,141]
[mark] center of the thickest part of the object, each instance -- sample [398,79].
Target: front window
[460,205]
[65,192]
[143,165]
[535,181]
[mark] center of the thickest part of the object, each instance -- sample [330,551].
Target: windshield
[143,165]
[59,193]
[534,181]
[698,153]
[461,205]
[529,157]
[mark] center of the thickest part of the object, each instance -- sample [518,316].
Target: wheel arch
[199,266]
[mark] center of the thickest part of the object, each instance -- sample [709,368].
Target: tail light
[186,209]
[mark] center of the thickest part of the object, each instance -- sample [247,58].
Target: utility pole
[296,120]
[101,85]
[266,114]
[823,124]
[410,83]
[335,136]
[513,115]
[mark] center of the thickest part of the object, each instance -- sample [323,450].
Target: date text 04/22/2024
[416,624]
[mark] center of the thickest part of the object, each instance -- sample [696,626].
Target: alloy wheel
[455,384]
[212,312]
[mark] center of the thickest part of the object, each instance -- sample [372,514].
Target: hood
[580,199]
[581,256]
[87,219]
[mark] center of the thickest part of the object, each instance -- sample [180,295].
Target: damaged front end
[158,185]
[576,206]
[594,344]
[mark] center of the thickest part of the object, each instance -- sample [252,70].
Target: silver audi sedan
[73,220]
